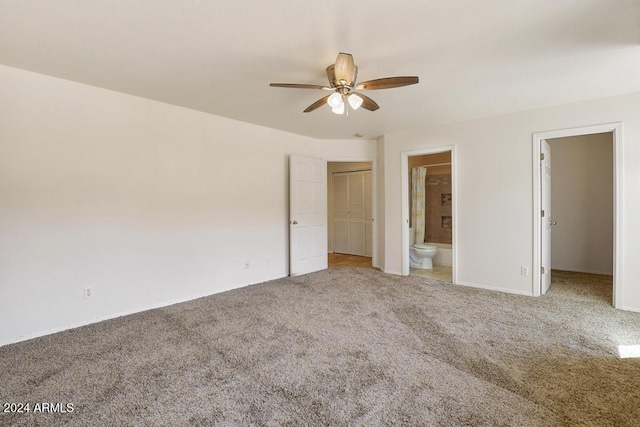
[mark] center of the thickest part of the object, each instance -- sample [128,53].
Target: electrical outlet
[246,264]
[524,270]
[88,292]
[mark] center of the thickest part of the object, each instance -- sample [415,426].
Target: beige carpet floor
[342,347]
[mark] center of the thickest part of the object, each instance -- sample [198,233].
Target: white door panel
[341,237]
[307,214]
[356,238]
[340,197]
[356,197]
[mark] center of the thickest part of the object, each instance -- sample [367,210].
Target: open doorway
[576,196]
[582,209]
[428,200]
[350,214]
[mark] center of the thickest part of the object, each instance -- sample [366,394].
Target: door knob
[552,223]
[294,222]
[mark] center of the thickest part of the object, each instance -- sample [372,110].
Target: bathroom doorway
[577,231]
[428,199]
[350,201]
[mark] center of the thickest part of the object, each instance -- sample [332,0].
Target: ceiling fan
[342,82]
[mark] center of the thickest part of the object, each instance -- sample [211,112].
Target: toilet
[420,254]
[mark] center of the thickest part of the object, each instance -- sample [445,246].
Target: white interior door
[307,215]
[545,206]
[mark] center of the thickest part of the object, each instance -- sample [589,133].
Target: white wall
[582,203]
[379,222]
[334,167]
[495,186]
[146,202]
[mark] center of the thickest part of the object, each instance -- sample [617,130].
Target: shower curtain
[418,177]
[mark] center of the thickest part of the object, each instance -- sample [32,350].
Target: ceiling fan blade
[368,103]
[345,69]
[387,83]
[319,103]
[299,86]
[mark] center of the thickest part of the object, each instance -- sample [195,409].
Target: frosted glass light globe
[334,100]
[339,109]
[355,101]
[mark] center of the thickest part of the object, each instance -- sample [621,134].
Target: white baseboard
[627,308]
[120,314]
[493,288]
[395,273]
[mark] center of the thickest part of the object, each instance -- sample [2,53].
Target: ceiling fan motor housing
[349,81]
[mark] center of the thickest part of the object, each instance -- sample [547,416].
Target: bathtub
[444,256]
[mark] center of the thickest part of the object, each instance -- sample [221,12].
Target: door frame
[404,161]
[374,190]
[616,129]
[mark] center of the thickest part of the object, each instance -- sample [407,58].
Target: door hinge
[541,270]
[541,156]
[542,213]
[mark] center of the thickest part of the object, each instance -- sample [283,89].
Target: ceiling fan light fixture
[355,101]
[335,100]
[339,109]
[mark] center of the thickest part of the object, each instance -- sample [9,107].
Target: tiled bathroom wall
[438,209]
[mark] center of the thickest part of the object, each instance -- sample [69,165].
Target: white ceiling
[474,58]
